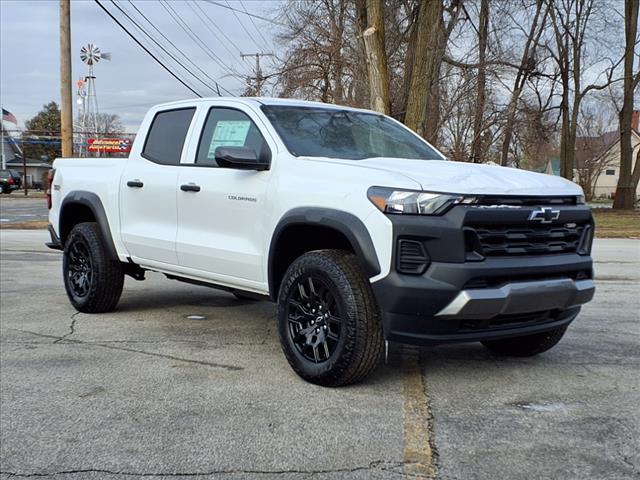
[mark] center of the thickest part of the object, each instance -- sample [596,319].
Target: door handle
[190,187]
[135,183]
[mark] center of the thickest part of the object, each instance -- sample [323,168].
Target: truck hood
[469,178]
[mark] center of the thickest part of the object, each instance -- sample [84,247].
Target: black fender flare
[93,202]
[346,223]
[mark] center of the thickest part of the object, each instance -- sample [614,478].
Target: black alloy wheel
[79,268]
[314,319]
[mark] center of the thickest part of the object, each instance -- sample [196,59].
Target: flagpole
[4,162]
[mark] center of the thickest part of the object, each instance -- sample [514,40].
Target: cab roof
[256,101]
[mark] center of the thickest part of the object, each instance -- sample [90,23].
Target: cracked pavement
[148,392]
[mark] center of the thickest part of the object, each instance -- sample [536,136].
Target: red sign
[109,145]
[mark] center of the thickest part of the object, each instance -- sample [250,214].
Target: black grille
[538,240]
[412,257]
[493,200]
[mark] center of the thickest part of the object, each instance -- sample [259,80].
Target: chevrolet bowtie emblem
[544,215]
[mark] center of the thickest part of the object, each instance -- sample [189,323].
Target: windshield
[348,134]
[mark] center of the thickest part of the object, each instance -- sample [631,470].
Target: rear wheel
[93,280]
[527,345]
[328,320]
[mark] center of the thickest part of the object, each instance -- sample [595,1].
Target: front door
[221,210]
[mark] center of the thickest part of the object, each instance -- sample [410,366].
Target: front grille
[537,240]
[495,200]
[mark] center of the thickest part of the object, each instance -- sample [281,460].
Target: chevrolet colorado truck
[361,231]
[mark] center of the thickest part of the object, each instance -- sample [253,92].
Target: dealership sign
[109,145]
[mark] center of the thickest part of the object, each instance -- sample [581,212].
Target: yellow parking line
[418,454]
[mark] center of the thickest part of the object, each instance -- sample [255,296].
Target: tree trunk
[477,148]
[425,63]
[626,191]
[373,38]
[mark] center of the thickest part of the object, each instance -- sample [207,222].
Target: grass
[28,225]
[616,223]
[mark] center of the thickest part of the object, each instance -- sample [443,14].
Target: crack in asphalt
[72,328]
[381,465]
[133,350]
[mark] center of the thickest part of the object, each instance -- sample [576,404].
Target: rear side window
[167,135]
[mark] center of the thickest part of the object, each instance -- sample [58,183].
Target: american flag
[7,116]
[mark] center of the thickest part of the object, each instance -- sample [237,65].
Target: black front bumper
[464,297]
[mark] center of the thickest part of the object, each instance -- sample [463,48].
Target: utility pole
[259,77]
[66,108]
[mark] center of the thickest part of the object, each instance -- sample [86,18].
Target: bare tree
[319,62]
[107,123]
[526,69]
[628,179]
[434,22]
[571,20]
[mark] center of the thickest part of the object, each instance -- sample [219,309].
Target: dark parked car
[10,180]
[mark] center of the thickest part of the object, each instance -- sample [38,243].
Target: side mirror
[240,158]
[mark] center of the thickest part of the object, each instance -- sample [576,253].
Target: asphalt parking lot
[149,391]
[15,207]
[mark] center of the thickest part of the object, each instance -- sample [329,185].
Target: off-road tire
[528,345]
[359,349]
[107,277]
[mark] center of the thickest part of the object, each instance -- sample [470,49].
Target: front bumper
[519,298]
[459,298]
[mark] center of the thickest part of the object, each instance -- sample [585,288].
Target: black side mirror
[240,158]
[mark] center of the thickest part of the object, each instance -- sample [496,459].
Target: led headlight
[389,200]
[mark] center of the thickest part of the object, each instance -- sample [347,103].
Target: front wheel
[328,321]
[527,345]
[93,280]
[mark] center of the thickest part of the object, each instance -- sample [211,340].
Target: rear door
[148,211]
[221,211]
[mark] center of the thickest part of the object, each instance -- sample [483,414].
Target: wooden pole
[66,108]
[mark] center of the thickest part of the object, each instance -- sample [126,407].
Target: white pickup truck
[360,230]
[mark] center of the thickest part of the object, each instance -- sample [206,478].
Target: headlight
[412,202]
[580,199]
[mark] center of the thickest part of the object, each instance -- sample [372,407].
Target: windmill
[87,97]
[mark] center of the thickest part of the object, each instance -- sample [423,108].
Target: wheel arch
[81,206]
[304,229]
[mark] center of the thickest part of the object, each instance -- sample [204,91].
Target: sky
[132,81]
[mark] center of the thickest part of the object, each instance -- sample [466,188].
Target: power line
[146,49]
[177,49]
[164,49]
[229,7]
[209,24]
[189,31]
[242,25]
[253,23]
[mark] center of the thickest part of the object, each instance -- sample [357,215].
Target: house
[14,161]
[597,160]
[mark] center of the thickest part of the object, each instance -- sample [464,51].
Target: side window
[166,136]
[226,127]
